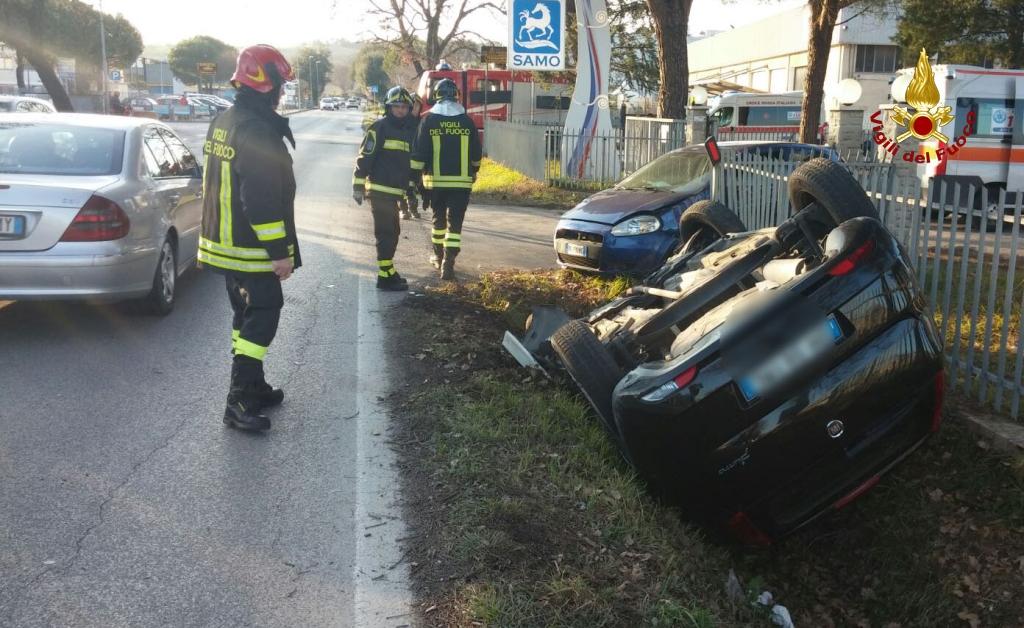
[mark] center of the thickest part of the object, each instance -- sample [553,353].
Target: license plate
[576,250]
[793,357]
[12,225]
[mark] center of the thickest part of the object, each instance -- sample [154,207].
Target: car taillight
[677,383]
[940,393]
[745,531]
[851,261]
[99,219]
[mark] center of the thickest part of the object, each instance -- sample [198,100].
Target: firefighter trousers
[386,228]
[256,301]
[449,207]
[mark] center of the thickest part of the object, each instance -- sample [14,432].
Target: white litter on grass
[779,614]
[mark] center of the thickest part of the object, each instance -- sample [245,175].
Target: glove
[414,201]
[357,196]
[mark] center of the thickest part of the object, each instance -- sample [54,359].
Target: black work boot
[266,395]
[394,283]
[245,416]
[437,256]
[448,266]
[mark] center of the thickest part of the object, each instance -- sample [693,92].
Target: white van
[993,154]
[740,115]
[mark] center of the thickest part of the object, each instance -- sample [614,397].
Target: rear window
[59,149]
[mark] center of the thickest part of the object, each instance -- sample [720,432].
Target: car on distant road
[216,103]
[352,103]
[329,103]
[633,227]
[96,208]
[25,104]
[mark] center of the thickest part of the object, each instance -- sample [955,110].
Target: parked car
[762,378]
[216,104]
[632,227]
[95,207]
[141,103]
[329,103]
[352,103]
[25,104]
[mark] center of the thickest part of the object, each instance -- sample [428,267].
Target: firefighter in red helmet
[248,233]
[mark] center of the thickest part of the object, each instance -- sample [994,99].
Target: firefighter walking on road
[447,156]
[382,174]
[248,232]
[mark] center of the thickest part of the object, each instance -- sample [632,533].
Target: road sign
[115,75]
[206,68]
[373,89]
[536,35]
[494,54]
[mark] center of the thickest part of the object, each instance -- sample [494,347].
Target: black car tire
[591,367]
[833,187]
[161,297]
[708,221]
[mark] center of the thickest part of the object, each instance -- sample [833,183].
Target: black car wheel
[837,193]
[706,221]
[160,300]
[591,367]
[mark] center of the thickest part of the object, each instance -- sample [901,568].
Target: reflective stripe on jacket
[248,193]
[383,163]
[447,149]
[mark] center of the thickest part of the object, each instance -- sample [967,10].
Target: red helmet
[262,67]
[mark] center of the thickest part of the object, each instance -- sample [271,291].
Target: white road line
[380,573]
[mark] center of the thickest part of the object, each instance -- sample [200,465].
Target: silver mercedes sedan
[97,208]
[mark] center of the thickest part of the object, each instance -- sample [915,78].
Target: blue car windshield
[686,171]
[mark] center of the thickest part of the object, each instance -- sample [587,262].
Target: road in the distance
[123,499]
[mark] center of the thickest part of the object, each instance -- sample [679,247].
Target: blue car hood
[611,206]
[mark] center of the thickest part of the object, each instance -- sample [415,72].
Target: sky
[291,22]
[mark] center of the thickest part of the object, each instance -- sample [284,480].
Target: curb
[1004,436]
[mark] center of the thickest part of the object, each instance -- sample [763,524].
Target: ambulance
[743,115]
[993,153]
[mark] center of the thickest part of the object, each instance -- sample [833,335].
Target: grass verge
[522,514]
[496,183]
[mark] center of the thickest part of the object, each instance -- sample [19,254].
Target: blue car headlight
[638,225]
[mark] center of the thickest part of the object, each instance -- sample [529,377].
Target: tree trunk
[19,70]
[819,45]
[671,18]
[44,68]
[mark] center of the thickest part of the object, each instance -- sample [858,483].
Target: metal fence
[577,160]
[966,247]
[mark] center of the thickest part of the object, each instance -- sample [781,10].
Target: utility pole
[103,61]
[312,84]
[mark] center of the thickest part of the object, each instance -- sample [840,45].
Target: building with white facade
[771,56]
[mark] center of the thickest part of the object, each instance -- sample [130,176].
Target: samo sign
[536,35]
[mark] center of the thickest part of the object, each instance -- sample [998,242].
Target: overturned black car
[761,378]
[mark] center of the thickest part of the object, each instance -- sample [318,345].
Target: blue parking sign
[537,35]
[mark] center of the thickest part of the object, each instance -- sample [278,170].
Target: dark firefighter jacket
[248,192]
[383,163]
[447,148]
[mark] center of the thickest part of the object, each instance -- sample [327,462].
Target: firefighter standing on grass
[447,156]
[248,231]
[382,175]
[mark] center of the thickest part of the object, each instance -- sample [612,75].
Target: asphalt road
[123,499]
